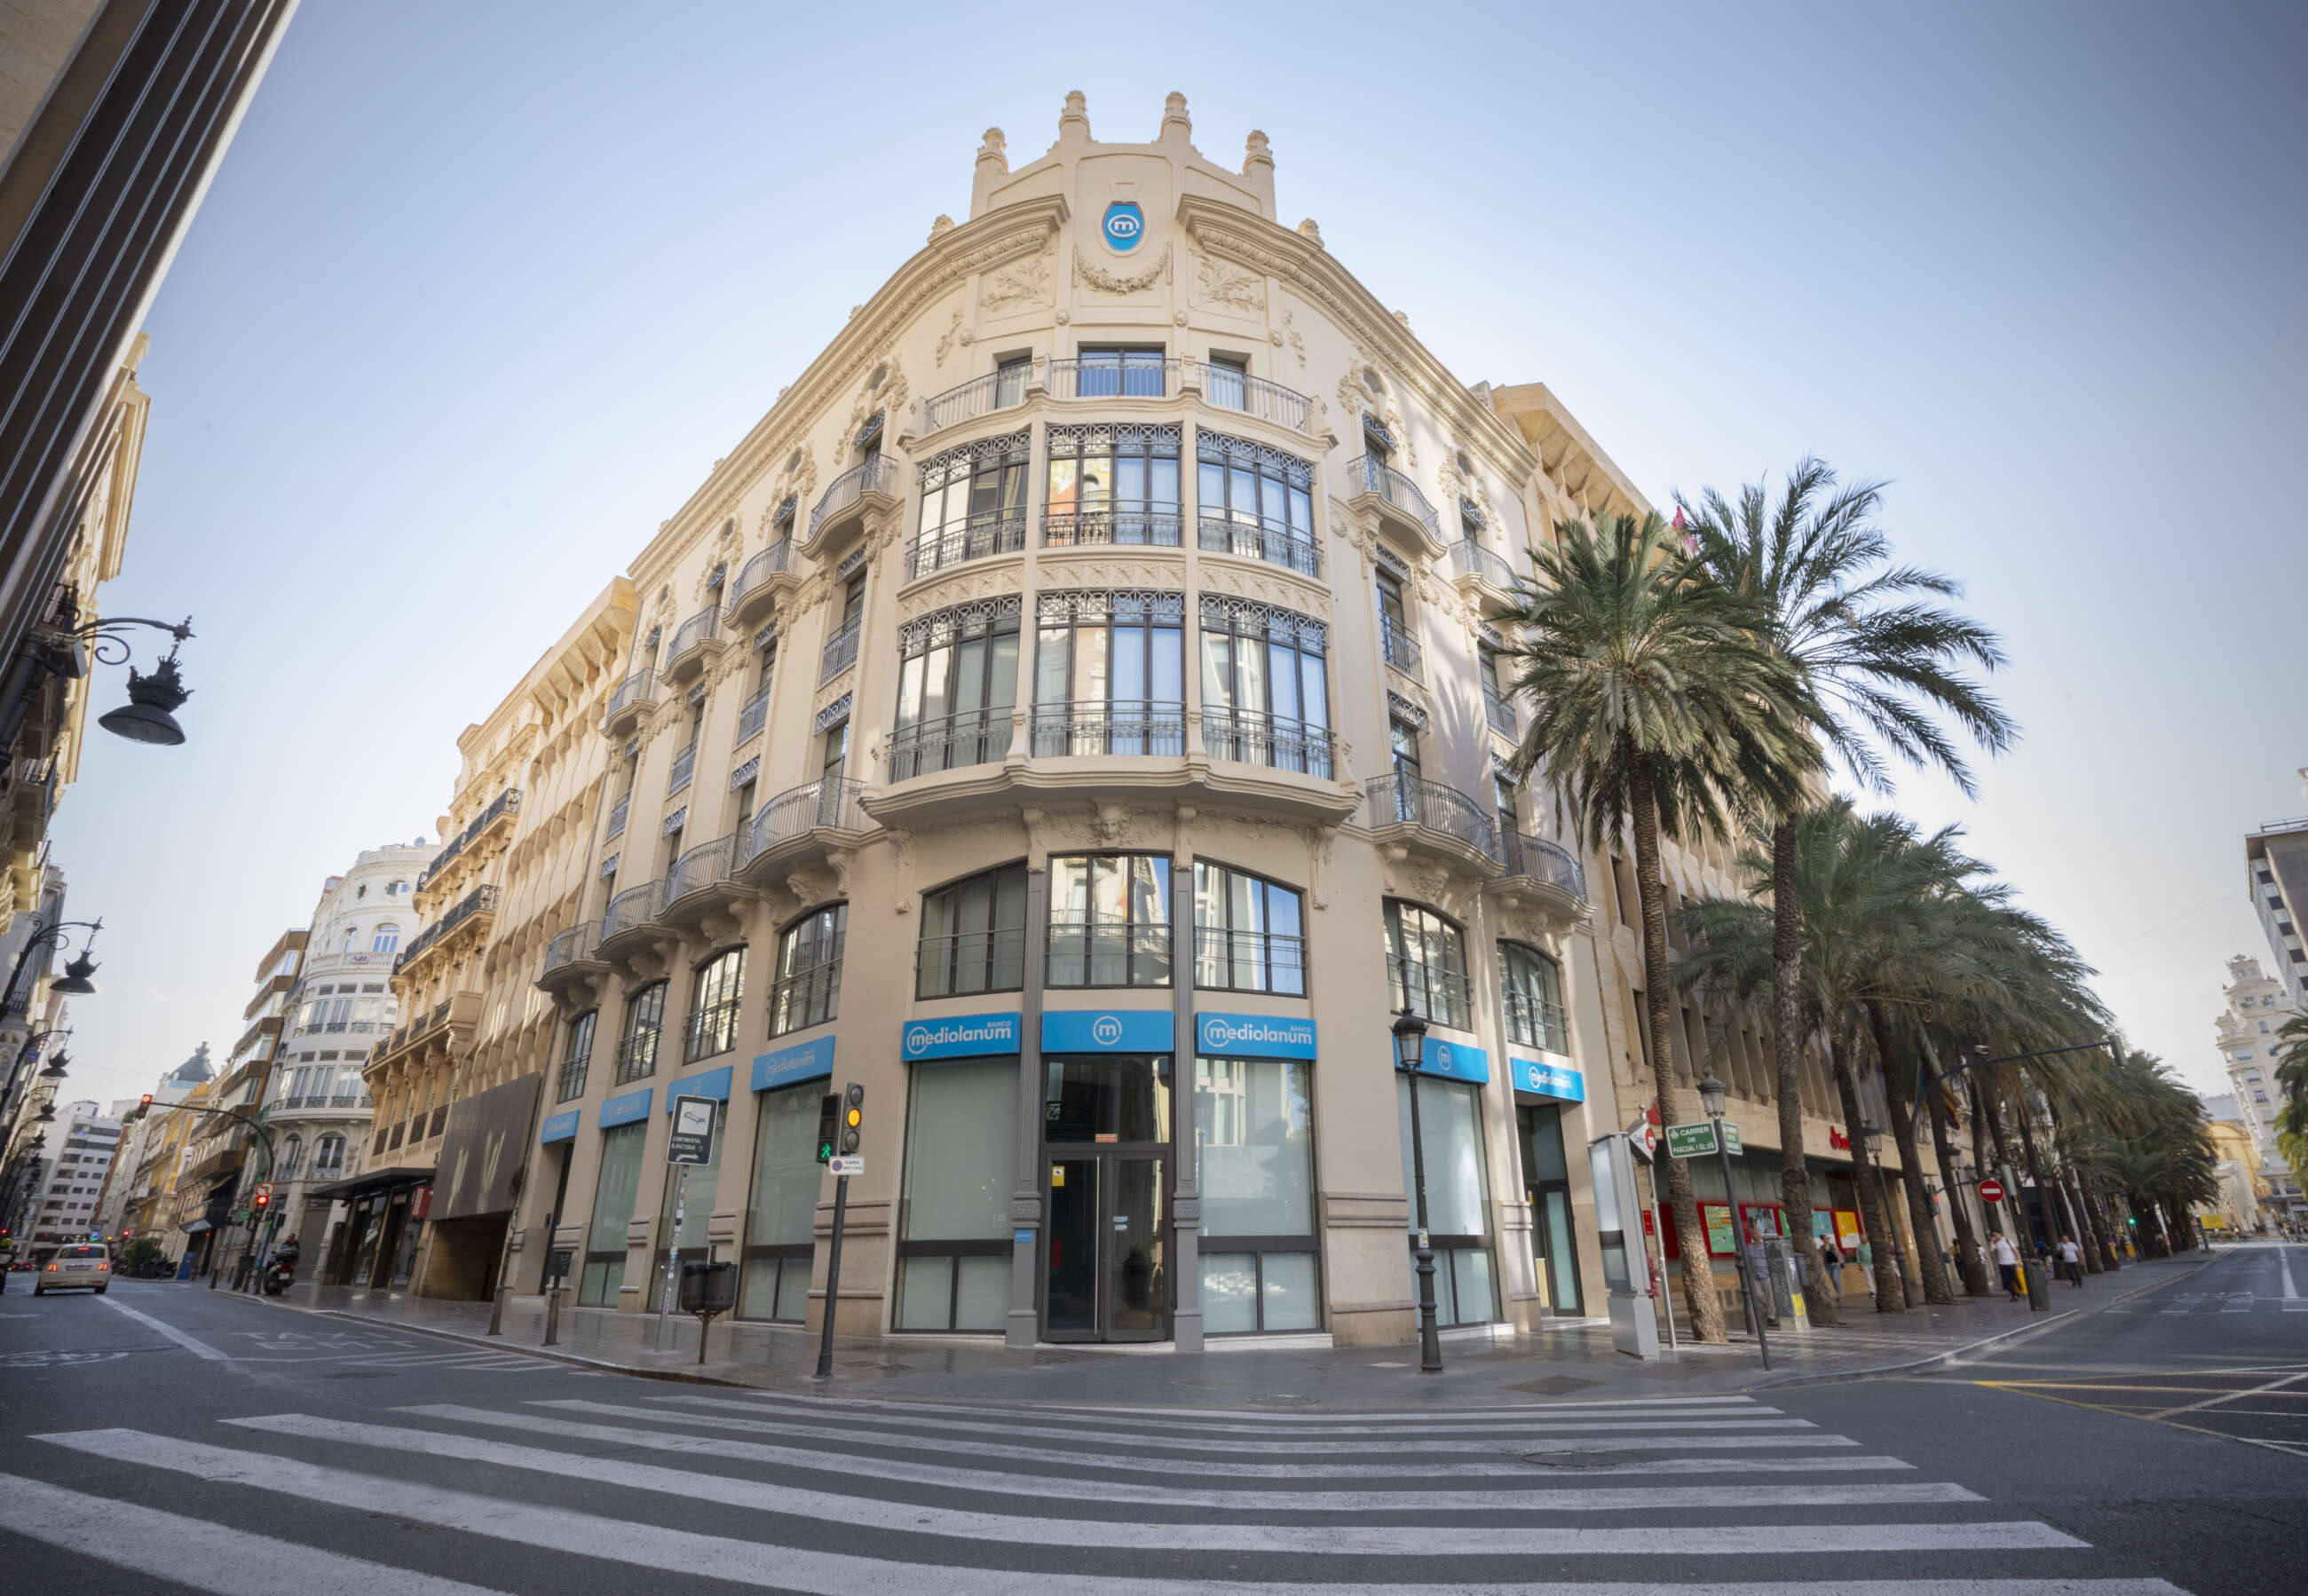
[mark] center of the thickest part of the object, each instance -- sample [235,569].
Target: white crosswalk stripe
[980,1499]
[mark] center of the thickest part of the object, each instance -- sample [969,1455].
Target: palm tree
[1873,655]
[1656,709]
[2291,1053]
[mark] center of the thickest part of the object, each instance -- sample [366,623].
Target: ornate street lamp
[1411,1052]
[74,981]
[1715,1097]
[1871,1135]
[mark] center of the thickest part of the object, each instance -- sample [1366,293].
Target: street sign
[1991,1191]
[1691,1141]
[264,1189]
[845,1163]
[1643,1137]
[692,1141]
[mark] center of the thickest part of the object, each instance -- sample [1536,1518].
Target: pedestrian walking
[2007,1264]
[2072,1263]
[1833,1260]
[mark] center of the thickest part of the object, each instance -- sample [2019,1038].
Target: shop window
[1426,965]
[808,990]
[716,992]
[1255,1144]
[974,935]
[1249,936]
[781,1214]
[1109,920]
[955,1227]
[616,1190]
[1458,1216]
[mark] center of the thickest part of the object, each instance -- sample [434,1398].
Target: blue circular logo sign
[1107,1030]
[1125,224]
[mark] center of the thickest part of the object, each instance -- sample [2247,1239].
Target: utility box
[709,1289]
[1619,1230]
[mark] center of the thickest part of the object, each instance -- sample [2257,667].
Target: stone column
[1023,1325]
[1186,1194]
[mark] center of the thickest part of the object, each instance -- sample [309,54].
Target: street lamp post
[1713,1094]
[24,1057]
[1874,1135]
[1409,1052]
[75,982]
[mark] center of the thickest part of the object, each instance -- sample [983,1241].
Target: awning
[196,1227]
[375,1181]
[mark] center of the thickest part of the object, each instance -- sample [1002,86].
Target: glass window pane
[925,1293]
[982,1294]
[1450,1113]
[961,1140]
[1167,667]
[1229,1293]
[1253,1137]
[786,1171]
[793,1290]
[1051,658]
[1287,1291]
[1471,1285]
[1218,677]
[618,1188]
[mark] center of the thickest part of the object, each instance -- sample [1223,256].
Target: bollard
[553,1317]
[496,1310]
[2039,1286]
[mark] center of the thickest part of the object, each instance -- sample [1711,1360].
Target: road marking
[1664,1406]
[193,1551]
[1349,1539]
[2229,1396]
[192,1344]
[2284,1261]
[1044,1487]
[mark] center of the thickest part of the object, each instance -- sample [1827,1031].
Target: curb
[2002,1338]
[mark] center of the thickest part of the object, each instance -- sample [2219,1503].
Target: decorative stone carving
[1108,571]
[966,588]
[901,861]
[1024,283]
[1227,287]
[1089,274]
[953,334]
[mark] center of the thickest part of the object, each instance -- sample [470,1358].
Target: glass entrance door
[1557,1249]
[1105,1274]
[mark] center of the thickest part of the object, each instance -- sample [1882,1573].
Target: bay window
[973,504]
[1112,483]
[957,682]
[1265,698]
[1256,502]
[1109,674]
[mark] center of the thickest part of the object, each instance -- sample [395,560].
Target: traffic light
[259,1203]
[143,1107]
[853,1117]
[829,1116]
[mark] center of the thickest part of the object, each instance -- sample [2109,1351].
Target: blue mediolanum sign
[1125,225]
[789,1066]
[1457,1060]
[962,1036]
[1548,1080]
[562,1126]
[712,1083]
[1253,1036]
[626,1110]
[1108,1030]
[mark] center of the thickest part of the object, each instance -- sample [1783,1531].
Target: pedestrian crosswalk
[2213,1302]
[1701,1496]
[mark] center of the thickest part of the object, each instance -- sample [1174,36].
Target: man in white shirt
[2072,1263]
[2007,1264]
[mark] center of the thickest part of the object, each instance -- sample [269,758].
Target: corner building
[1068,714]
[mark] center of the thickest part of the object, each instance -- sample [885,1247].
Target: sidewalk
[1569,1359]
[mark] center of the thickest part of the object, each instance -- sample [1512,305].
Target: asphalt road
[165,1438]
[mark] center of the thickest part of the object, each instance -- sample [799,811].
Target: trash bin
[709,1289]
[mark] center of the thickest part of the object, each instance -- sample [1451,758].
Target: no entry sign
[1991,1191]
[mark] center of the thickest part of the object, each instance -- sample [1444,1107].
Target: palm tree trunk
[1984,1097]
[2044,1191]
[1980,1128]
[1969,1258]
[1786,1056]
[1889,1298]
[2086,1223]
[1658,1000]
[1920,1226]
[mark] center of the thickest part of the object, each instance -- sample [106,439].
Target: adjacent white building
[2258,1005]
[66,1208]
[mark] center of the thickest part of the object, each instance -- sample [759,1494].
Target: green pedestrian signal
[829,1117]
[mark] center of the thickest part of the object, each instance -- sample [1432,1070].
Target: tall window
[957,681]
[1110,920]
[1426,965]
[953,1221]
[1248,935]
[715,994]
[1254,1138]
[616,1189]
[1227,380]
[1451,1126]
[1111,373]
[1502,807]
[781,1216]
[387,938]
[841,642]
[973,504]
[644,1018]
[1396,641]
[1265,699]
[1534,996]
[1255,502]
[577,1058]
[292,1153]
[1496,708]
[1109,674]
[1112,484]
[974,935]
[808,991]
[329,1156]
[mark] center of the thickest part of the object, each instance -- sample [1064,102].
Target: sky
[482,292]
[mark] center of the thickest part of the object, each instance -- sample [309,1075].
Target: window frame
[642,1031]
[1138,937]
[1072,724]
[577,1055]
[1458,1017]
[1147,518]
[1276,525]
[999,465]
[1238,729]
[711,1027]
[823,972]
[1228,936]
[994,937]
[921,744]
[1540,1018]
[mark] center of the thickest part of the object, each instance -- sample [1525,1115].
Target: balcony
[756,587]
[1490,574]
[1278,743]
[571,960]
[1545,873]
[798,822]
[1429,818]
[841,652]
[1400,649]
[1127,728]
[978,737]
[1111,376]
[690,886]
[1538,1023]
[505,804]
[869,486]
[1230,388]
[1267,540]
[753,714]
[1501,716]
[697,643]
[996,391]
[630,914]
[448,1024]
[685,766]
[617,813]
[630,704]
[1394,498]
[990,532]
[1150,529]
[476,909]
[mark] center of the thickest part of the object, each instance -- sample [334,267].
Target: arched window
[329,1156]
[1248,932]
[388,937]
[1533,983]
[291,1152]
[1426,965]
[714,995]
[974,935]
[352,938]
[578,1055]
[808,991]
[1109,920]
[644,1018]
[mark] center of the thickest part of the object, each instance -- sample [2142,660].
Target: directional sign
[691,1142]
[845,1163]
[1643,1137]
[1991,1191]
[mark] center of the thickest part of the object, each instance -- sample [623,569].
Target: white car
[87,1267]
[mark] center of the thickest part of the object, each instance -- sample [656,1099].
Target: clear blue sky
[482,292]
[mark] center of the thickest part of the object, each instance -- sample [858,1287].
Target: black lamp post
[1411,1052]
[74,982]
[148,716]
[1713,1095]
[25,1056]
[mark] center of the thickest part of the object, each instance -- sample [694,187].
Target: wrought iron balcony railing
[753,713]
[639,688]
[1113,376]
[1400,648]
[840,653]
[1538,1022]
[1401,799]
[569,946]
[773,561]
[507,802]
[876,474]
[698,628]
[1431,991]
[997,389]
[700,866]
[827,803]
[1278,743]
[481,899]
[631,908]
[1543,860]
[637,1054]
[685,766]
[1272,541]
[1249,960]
[980,737]
[1365,474]
[1470,559]
[989,533]
[1502,715]
[1142,727]
[1073,528]
[1231,388]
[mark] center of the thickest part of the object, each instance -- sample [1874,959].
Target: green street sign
[1698,1141]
